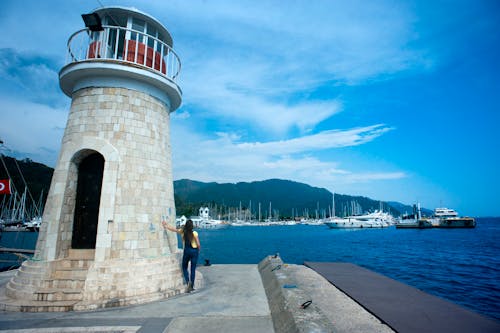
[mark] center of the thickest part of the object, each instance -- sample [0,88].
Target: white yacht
[377,219]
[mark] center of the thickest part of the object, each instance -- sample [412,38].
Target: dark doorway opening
[88,197]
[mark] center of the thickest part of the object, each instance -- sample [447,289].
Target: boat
[415,220]
[442,218]
[312,221]
[411,222]
[448,218]
[377,219]
[250,223]
[34,224]
[18,211]
[202,221]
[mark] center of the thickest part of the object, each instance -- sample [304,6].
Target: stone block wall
[123,282]
[135,260]
[131,130]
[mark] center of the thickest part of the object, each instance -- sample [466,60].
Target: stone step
[34,271]
[55,294]
[66,264]
[32,285]
[29,273]
[20,292]
[34,263]
[16,291]
[36,306]
[26,280]
[64,284]
[70,274]
[19,285]
[81,254]
[32,266]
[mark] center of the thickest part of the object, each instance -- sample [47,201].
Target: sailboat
[15,212]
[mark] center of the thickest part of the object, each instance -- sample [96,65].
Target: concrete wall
[285,297]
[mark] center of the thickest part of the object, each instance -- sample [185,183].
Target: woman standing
[191,250]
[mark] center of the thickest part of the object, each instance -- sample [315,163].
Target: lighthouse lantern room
[120,43]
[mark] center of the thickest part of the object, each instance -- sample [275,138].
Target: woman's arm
[166,226]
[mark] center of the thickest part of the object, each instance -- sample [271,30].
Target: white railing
[124,45]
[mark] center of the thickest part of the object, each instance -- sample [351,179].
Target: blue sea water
[15,240]
[460,265]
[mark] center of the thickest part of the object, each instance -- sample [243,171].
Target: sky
[393,100]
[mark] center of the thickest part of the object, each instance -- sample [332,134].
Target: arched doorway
[88,198]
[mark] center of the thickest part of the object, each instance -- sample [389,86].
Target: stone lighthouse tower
[101,242]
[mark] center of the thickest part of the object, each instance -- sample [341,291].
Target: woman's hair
[188,231]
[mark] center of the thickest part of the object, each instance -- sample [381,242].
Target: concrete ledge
[285,298]
[404,308]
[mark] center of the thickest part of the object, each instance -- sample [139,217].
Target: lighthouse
[101,243]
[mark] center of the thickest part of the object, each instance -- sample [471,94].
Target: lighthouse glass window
[159,46]
[138,25]
[116,38]
[151,31]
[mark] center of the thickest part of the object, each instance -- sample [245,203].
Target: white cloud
[236,95]
[32,130]
[258,65]
[349,41]
[40,28]
[225,159]
[33,77]
[320,141]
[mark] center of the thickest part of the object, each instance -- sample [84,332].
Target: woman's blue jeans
[190,254]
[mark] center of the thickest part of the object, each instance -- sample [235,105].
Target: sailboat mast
[259,211]
[333,204]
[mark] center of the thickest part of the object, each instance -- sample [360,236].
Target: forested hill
[36,176]
[287,198]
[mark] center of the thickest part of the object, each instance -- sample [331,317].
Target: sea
[460,265]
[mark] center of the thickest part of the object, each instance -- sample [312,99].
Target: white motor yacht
[377,219]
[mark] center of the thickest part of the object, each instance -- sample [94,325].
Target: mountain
[287,198]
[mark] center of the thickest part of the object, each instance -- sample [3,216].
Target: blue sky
[394,100]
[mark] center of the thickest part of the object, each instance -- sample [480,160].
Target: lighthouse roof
[117,12]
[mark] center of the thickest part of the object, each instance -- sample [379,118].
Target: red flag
[5,186]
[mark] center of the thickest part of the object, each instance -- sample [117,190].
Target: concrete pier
[235,298]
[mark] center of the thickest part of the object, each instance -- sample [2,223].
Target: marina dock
[11,250]
[270,297]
